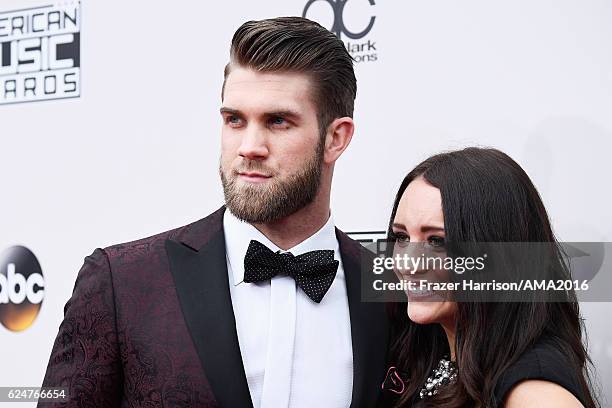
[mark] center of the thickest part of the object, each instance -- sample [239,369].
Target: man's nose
[254,144]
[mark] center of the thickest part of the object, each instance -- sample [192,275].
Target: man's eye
[436,241]
[278,121]
[233,120]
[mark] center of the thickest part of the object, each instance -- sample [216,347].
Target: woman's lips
[420,294]
[419,291]
[424,296]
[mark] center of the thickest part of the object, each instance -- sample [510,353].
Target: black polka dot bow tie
[313,271]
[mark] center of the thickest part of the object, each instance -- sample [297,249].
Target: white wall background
[138,152]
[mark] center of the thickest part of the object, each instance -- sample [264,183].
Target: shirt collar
[238,235]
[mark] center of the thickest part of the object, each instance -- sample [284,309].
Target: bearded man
[258,304]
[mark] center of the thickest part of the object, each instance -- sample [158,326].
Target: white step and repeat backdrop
[109,125]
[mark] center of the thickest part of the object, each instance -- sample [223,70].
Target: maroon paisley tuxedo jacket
[150,324]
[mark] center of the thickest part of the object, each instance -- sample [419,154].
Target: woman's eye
[400,237]
[435,241]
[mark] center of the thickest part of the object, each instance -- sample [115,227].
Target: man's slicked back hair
[299,45]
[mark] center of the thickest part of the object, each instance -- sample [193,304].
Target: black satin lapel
[203,290]
[369,331]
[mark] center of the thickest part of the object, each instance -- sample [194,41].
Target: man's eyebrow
[284,113]
[225,109]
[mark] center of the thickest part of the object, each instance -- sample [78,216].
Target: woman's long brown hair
[486,197]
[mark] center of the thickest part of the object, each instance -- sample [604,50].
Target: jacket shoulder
[194,235]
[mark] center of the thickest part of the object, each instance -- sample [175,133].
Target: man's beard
[274,199]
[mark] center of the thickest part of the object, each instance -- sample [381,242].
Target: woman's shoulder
[545,361]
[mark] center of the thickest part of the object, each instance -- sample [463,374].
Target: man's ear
[337,139]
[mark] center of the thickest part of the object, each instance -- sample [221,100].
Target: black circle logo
[22,288]
[338,27]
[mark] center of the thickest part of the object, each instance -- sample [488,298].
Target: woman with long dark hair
[449,353]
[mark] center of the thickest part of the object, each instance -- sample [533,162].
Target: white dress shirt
[296,353]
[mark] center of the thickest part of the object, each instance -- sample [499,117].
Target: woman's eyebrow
[424,228]
[429,228]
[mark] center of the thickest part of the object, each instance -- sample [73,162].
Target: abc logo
[22,288]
